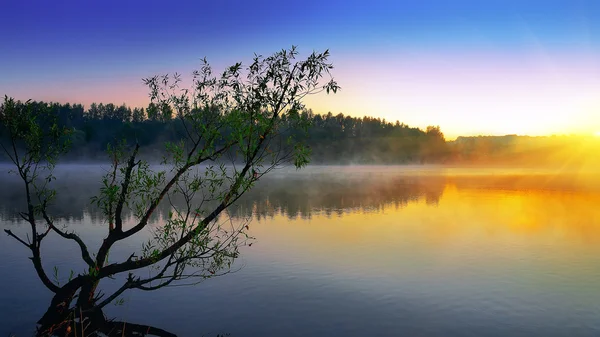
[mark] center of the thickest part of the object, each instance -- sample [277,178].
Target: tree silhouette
[233,129]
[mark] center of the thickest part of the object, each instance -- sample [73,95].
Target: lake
[359,251]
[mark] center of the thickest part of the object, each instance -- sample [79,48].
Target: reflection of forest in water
[335,195]
[302,195]
[293,196]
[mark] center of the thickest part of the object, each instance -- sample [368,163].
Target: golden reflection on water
[474,220]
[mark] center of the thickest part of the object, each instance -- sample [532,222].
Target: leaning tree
[236,127]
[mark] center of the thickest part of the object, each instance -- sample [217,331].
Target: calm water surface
[367,251]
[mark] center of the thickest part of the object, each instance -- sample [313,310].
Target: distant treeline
[562,152]
[334,139]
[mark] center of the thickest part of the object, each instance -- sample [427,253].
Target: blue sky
[462,65]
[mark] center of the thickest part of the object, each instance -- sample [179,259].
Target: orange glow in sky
[472,94]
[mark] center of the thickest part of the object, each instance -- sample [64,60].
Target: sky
[472,67]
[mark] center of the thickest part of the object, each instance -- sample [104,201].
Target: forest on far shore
[333,139]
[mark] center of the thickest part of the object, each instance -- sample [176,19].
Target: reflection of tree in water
[72,202]
[330,195]
[299,195]
[293,195]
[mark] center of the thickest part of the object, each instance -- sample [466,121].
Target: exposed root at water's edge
[96,325]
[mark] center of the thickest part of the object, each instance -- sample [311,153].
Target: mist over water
[358,251]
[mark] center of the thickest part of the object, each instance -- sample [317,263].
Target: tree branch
[144,221]
[37,264]
[10,233]
[121,267]
[85,254]
[125,186]
[125,286]
[125,266]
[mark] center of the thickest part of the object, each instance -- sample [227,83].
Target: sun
[597,134]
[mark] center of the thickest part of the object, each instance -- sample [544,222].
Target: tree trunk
[85,301]
[58,312]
